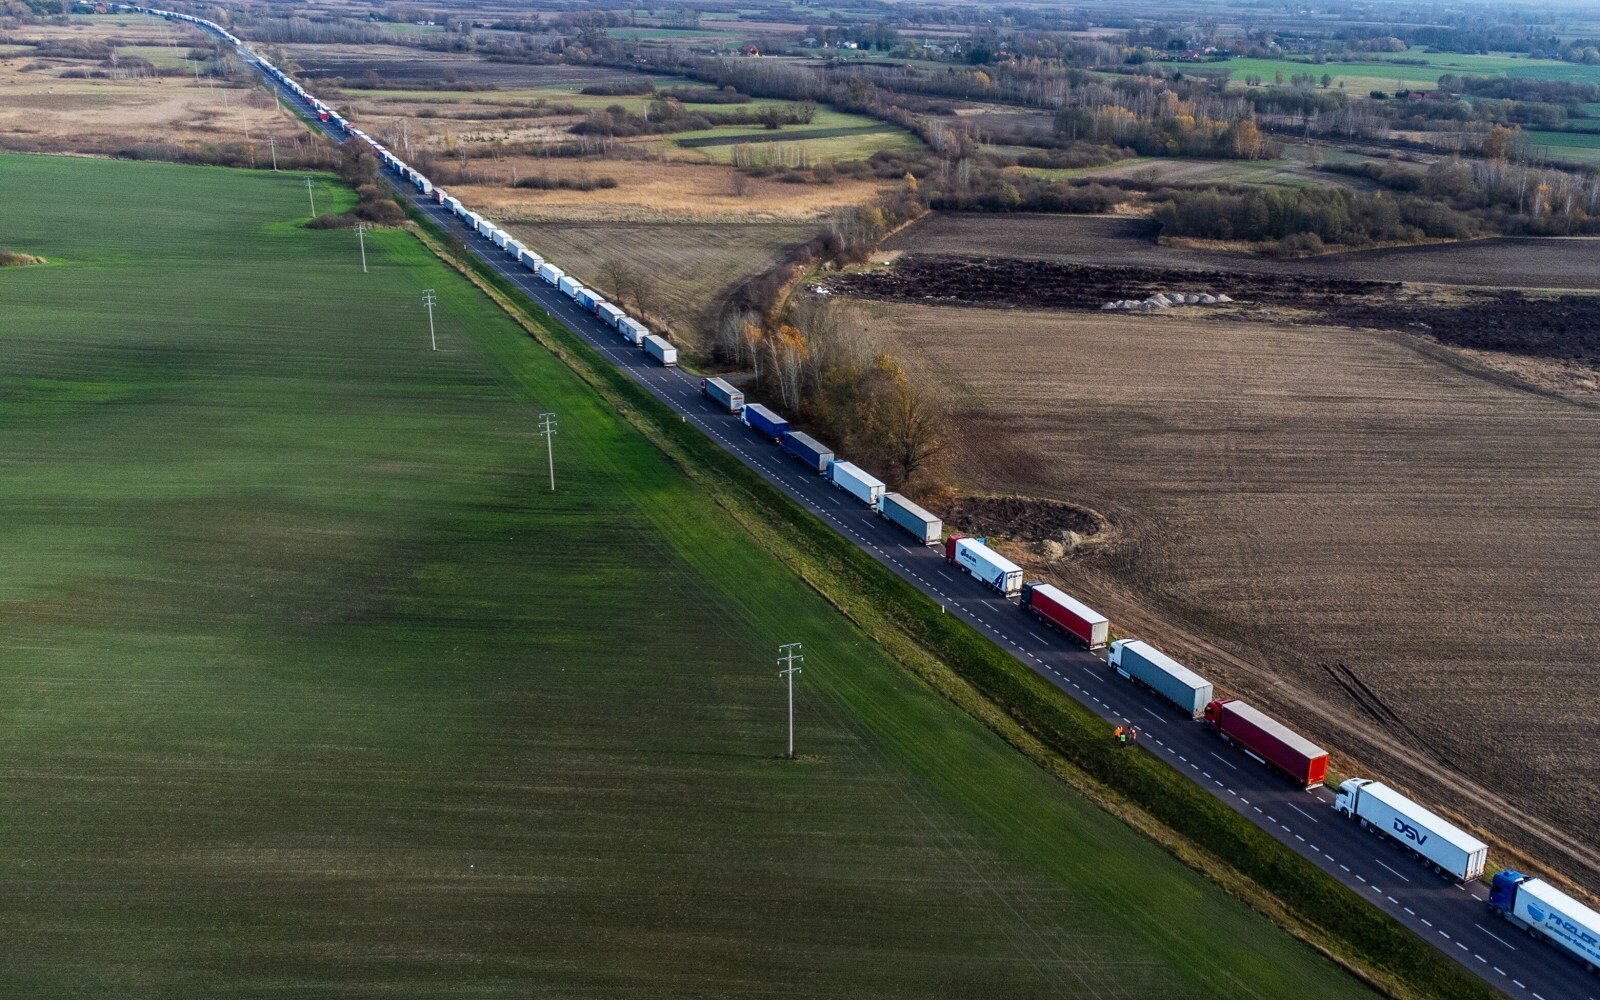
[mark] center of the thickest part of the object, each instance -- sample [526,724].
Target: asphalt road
[1454,918]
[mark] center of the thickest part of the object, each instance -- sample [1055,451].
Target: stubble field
[1306,510]
[314,686]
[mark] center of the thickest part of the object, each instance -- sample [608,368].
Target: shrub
[16,258]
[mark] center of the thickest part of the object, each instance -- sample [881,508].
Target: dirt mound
[1033,520]
[1022,283]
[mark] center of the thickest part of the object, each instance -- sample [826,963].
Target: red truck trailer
[1268,740]
[1055,607]
[322,116]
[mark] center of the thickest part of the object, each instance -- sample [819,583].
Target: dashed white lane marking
[1303,812]
[1391,870]
[1039,638]
[1426,921]
[1497,937]
[1219,757]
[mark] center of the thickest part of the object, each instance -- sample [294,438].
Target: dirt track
[1521,263]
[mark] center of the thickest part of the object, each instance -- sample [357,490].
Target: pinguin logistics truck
[1548,914]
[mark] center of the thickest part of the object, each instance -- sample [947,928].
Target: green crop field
[1581,148]
[830,135]
[312,685]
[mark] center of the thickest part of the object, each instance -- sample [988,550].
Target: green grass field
[313,686]
[1361,77]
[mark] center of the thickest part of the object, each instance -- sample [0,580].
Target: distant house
[1419,95]
[751,50]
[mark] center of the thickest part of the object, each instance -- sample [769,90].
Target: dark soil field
[1011,282]
[1303,511]
[1561,327]
[1520,263]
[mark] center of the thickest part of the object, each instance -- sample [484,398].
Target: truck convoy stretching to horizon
[1531,904]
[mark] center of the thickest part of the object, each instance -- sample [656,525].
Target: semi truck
[722,393]
[1547,913]
[984,564]
[763,421]
[1268,741]
[908,517]
[550,274]
[570,286]
[632,330]
[1443,846]
[1149,667]
[1056,608]
[662,351]
[810,452]
[856,481]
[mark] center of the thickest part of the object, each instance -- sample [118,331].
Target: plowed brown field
[1290,499]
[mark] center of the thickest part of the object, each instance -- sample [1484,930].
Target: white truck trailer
[984,564]
[1443,846]
[659,349]
[857,482]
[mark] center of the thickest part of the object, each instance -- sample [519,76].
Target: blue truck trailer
[763,421]
[810,452]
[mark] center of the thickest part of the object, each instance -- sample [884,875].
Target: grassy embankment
[314,686]
[1062,736]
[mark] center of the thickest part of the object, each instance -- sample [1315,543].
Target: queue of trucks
[1527,903]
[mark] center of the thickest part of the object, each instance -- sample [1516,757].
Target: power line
[789,654]
[428,299]
[547,430]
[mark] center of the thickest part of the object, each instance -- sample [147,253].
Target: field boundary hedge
[1055,732]
[794,136]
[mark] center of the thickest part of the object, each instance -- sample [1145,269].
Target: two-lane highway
[1453,918]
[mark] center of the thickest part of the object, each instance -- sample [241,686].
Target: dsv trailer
[1445,847]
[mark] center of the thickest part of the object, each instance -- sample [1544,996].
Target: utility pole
[789,656]
[272,144]
[361,237]
[428,299]
[547,430]
[313,197]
